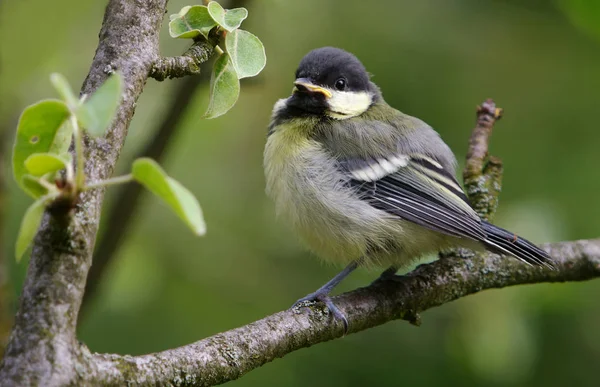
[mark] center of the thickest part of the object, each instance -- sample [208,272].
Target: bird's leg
[322,294]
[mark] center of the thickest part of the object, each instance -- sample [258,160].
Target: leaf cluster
[50,171]
[243,54]
[46,170]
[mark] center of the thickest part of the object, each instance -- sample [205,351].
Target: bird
[365,185]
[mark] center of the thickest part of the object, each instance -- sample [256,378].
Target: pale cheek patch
[347,104]
[279,105]
[380,168]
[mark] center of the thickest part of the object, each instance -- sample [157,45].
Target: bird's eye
[340,84]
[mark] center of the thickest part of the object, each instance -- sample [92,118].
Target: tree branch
[229,355]
[186,64]
[43,346]
[482,175]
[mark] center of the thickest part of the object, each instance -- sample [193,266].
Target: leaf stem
[70,173]
[219,50]
[79,159]
[114,181]
[46,184]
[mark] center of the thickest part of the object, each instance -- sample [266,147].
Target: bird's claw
[324,298]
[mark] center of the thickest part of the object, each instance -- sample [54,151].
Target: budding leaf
[224,87]
[37,132]
[39,164]
[63,88]
[180,199]
[98,111]
[190,22]
[31,185]
[230,19]
[29,225]
[247,53]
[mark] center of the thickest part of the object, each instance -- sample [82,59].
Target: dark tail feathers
[502,241]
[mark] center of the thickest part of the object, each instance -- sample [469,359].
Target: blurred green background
[435,59]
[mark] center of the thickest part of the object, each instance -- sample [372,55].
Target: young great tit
[365,184]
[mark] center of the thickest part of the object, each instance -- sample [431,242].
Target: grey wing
[416,188]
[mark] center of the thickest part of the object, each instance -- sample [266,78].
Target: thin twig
[187,64]
[482,175]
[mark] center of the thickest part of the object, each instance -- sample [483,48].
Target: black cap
[334,68]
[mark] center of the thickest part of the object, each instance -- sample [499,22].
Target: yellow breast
[309,193]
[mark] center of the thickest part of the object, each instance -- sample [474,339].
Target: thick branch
[229,355]
[43,345]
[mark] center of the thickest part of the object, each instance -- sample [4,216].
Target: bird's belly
[312,195]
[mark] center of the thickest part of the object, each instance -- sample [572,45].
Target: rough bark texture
[229,355]
[186,64]
[43,348]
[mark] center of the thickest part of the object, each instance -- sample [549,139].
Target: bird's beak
[305,85]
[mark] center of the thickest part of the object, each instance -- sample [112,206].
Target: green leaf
[63,88]
[190,22]
[230,19]
[224,87]
[247,53]
[180,199]
[29,226]
[32,186]
[62,140]
[234,18]
[40,164]
[98,111]
[37,133]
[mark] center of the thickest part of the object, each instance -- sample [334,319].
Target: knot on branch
[186,64]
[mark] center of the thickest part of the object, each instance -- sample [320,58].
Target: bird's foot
[326,299]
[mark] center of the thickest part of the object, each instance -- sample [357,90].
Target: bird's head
[332,82]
